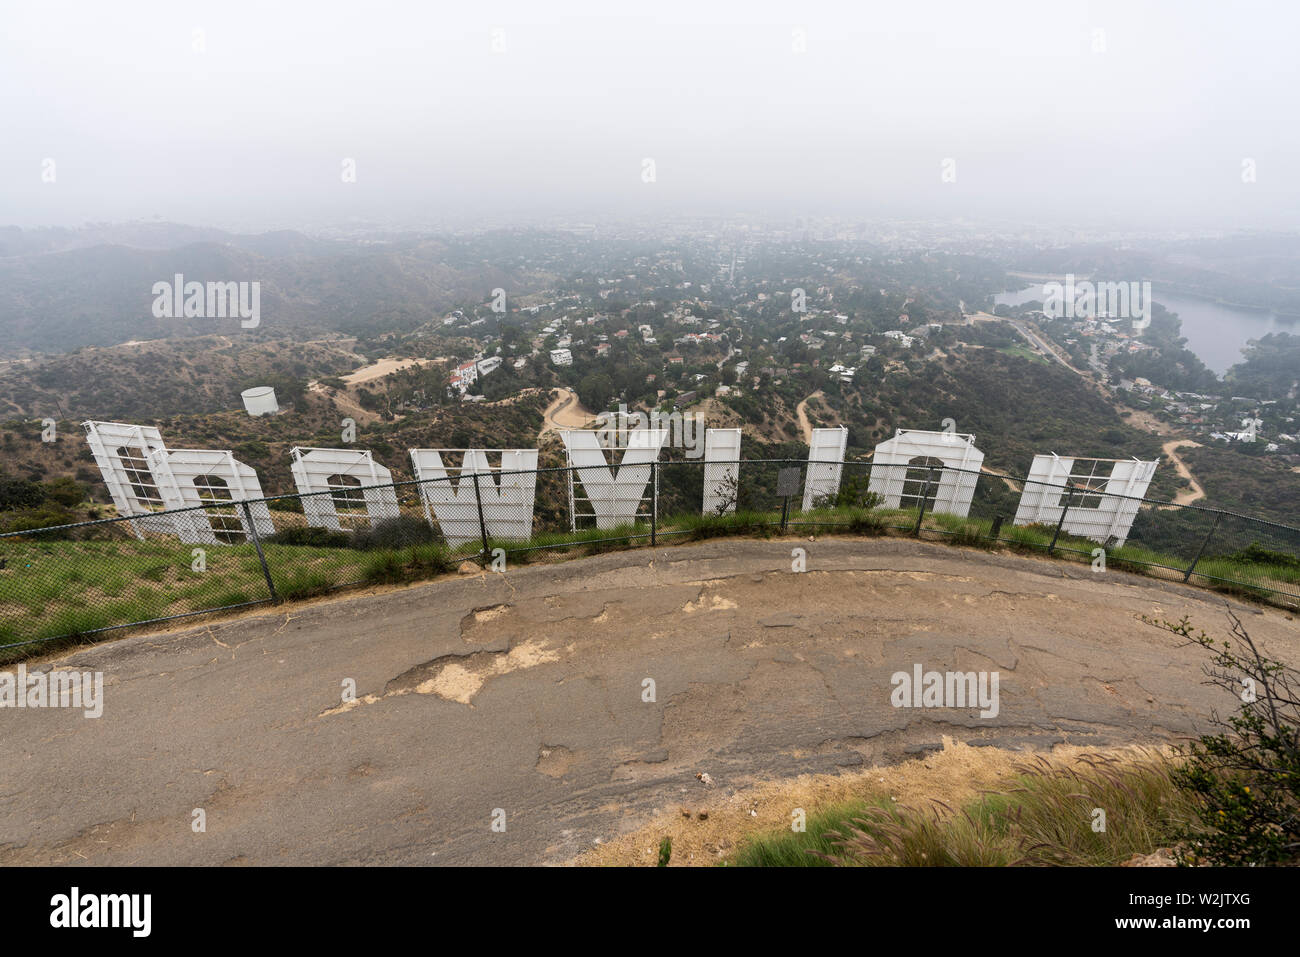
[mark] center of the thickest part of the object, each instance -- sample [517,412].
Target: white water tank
[260,400]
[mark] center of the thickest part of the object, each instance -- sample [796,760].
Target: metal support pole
[654,501]
[1201,551]
[257,543]
[482,525]
[573,513]
[1069,497]
[997,527]
[925,495]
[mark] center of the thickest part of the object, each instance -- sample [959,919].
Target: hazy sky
[243,113]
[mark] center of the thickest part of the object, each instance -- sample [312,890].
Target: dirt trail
[1196,492]
[1004,476]
[1138,419]
[566,412]
[801,413]
[344,402]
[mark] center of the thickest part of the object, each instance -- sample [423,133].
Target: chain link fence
[76,581]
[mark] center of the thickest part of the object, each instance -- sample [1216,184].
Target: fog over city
[1119,115]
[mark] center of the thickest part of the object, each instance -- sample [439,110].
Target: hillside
[1016,408]
[139,381]
[315,419]
[102,295]
[1245,483]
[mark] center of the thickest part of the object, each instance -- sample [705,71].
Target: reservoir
[1216,333]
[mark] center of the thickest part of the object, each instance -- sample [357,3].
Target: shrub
[19,493]
[310,536]
[1256,554]
[48,515]
[866,522]
[421,561]
[385,568]
[1246,777]
[64,491]
[398,532]
[963,532]
[852,493]
[255,449]
[428,560]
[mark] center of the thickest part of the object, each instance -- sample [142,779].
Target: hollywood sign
[347,488]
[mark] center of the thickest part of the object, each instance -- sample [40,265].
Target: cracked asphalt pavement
[524,692]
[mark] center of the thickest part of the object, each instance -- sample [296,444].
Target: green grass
[1023,352]
[1046,816]
[59,588]
[700,527]
[1227,568]
[857,521]
[408,564]
[786,848]
[584,541]
[54,588]
[964,531]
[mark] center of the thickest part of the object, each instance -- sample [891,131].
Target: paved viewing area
[526,692]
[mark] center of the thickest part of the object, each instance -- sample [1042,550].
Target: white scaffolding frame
[143,477]
[721,470]
[615,498]
[1053,480]
[312,470]
[507,498]
[891,467]
[825,464]
[189,474]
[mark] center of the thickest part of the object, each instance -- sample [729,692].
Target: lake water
[1216,333]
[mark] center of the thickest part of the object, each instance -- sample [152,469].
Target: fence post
[654,501]
[1069,497]
[257,542]
[482,525]
[925,494]
[1187,576]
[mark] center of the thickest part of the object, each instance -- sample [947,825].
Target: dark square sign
[787,482]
